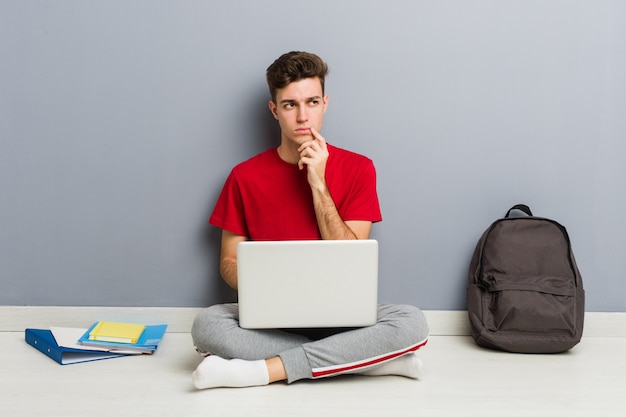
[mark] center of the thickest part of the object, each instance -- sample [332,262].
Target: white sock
[215,372]
[407,365]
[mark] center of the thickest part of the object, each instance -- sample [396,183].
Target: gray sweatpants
[400,329]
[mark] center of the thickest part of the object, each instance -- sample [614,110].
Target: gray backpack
[525,293]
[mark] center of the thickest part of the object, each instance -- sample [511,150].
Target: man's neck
[288,153]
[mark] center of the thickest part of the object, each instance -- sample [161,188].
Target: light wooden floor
[460,380]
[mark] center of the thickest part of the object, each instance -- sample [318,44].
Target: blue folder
[44,341]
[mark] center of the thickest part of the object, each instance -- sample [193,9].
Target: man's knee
[411,320]
[210,325]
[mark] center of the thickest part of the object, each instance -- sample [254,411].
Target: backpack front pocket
[530,305]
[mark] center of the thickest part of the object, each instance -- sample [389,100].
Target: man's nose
[303,115]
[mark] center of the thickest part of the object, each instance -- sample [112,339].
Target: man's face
[298,107]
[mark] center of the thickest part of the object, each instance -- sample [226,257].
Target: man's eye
[289,105]
[314,102]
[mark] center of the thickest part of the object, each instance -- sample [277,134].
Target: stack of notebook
[103,340]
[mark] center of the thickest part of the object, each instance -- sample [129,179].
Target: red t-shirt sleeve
[228,213]
[364,204]
[353,188]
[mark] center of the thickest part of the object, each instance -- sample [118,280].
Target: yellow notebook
[109,331]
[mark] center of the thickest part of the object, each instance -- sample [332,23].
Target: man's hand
[313,155]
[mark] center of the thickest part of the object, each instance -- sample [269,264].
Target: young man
[303,189]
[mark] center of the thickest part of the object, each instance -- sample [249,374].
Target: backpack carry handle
[521,207]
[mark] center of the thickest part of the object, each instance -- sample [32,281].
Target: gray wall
[120,120]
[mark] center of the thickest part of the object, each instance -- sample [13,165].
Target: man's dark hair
[295,66]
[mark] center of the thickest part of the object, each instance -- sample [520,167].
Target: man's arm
[330,223]
[314,155]
[228,257]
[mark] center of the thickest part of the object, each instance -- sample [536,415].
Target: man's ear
[273,109]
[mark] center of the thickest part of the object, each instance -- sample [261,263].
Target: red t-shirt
[266,198]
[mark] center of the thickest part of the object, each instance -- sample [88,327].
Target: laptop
[307,283]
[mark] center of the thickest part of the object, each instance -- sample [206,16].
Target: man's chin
[300,139]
